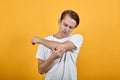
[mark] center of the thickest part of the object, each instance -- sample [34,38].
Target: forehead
[68,20]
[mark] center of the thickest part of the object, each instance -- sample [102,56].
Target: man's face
[67,25]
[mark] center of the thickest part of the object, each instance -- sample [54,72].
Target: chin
[66,35]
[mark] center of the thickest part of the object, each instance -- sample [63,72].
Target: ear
[59,21]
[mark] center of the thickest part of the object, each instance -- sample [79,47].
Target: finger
[58,50]
[56,47]
[53,49]
[60,55]
[33,43]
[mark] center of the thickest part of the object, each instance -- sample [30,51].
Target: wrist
[40,41]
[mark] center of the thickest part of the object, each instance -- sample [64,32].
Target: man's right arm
[45,66]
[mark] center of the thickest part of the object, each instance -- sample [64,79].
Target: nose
[67,29]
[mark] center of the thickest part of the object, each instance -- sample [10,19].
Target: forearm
[49,44]
[46,66]
[68,46]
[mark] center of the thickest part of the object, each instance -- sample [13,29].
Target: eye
[65,24]
[71,27]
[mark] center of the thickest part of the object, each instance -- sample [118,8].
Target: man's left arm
[67,45]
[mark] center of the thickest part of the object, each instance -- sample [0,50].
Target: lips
[65,33]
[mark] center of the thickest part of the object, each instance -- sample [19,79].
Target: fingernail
[33,43]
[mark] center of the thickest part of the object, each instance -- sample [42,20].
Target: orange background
[20,20]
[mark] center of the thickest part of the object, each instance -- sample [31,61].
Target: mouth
[65,33]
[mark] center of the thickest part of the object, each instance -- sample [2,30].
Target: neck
[59,36]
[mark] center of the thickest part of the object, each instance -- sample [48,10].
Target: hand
[35,40]
[58,52]
[61,47]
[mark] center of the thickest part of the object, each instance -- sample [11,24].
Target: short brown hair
[72,14]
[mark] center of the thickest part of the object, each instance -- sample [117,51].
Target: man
[57,53]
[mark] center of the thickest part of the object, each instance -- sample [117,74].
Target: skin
[66,26]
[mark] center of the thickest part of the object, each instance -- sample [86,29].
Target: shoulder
[77,36]
[50,37]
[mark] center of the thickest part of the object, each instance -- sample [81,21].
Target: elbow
[41,72]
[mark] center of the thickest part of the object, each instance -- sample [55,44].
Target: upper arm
[77,40]
[69,45]
[74,43]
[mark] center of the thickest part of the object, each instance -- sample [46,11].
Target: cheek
[71,30]
[62,27]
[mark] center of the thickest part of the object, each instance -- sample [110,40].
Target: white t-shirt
[63,68]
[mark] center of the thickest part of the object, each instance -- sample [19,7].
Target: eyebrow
[68,25]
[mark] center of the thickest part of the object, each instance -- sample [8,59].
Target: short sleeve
[40,52]
[77,40]
[43,52]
